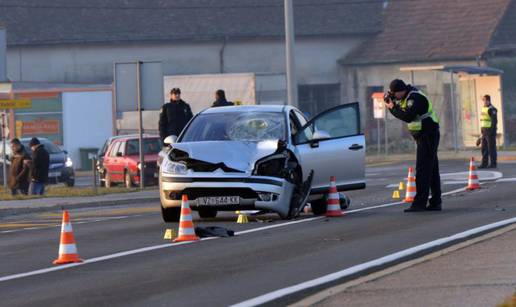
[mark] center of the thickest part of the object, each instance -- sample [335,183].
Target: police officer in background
[174,115]
[488,123]
[410,105]
[220,100]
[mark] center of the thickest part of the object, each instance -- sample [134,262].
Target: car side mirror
[119,154]
[320,135]
[65,152]
[169,140]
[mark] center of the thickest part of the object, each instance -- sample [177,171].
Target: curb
[69,206]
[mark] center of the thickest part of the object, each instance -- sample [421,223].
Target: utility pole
[140,123]
[290,54]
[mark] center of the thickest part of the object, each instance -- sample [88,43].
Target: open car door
[332,145]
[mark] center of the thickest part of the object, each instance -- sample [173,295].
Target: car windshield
[150,146]
[251,127]
[50,147]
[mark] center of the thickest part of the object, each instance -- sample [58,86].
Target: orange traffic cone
[186,226]
[67,249]
[411,186]
[333,204]
[473,183]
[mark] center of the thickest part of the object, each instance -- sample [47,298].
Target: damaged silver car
[267,158]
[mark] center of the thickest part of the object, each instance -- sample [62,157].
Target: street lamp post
[289,54]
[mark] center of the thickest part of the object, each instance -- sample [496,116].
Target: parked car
[122,161]
[61,165]
[261,158]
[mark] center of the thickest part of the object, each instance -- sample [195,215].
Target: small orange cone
[333,204]
[473,183]
[186,227]
[411,186]
[67,249]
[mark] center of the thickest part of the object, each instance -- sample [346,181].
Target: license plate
[54,174]
[218,200]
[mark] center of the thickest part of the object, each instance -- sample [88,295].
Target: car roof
[248,108]
[134,137]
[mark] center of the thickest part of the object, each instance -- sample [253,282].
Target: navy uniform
[488,123]
[417,111]
[173,118]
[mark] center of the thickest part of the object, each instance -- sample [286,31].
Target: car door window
[306,133]
[339,122]
[114,149]
[121,149]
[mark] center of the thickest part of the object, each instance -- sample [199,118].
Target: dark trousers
[427,169]
[489,147]
[37,188]
[24,191]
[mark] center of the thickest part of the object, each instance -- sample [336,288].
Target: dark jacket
[222,103]
[173,118]
[417,104]
[40,164]
[19,171]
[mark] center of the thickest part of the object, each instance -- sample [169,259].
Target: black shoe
[415,209]
[482,166]
[492,166]
[434,208]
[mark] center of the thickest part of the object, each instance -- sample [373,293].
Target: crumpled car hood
[234,154]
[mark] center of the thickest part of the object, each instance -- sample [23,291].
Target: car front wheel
[171,214]
[70,182]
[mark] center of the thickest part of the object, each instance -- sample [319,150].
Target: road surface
[141,269]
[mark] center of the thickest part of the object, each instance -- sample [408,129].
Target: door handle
[355,147]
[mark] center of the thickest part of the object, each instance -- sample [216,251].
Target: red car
[122,161]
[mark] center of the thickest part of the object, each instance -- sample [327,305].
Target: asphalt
[225,271]
[485,279]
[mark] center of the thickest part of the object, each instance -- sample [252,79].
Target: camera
[389,96]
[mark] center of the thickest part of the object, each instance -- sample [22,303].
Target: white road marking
[506,180]
[268,297]
[155,247]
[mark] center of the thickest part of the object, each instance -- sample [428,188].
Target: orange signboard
[50,126]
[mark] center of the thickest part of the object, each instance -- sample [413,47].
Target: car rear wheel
[107,181]
[128,181]
[171,214]
[207,213]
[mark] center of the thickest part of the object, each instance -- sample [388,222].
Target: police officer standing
[174,115]
[488,123]
[220,100]
[410,105]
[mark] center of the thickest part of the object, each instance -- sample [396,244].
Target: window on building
[313,99]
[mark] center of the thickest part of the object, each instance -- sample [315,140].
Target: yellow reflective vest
[415,125]
[485,119]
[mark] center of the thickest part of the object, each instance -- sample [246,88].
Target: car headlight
[69,162]
[139,166]
[173,167]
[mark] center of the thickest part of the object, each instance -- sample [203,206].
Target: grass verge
[63,191]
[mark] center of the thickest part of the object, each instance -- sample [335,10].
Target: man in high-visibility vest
[488,123]
[412,106]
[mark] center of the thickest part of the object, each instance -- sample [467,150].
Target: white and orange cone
[333,204]
[410,193]
[67,248]
[473,183]
[186,227]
